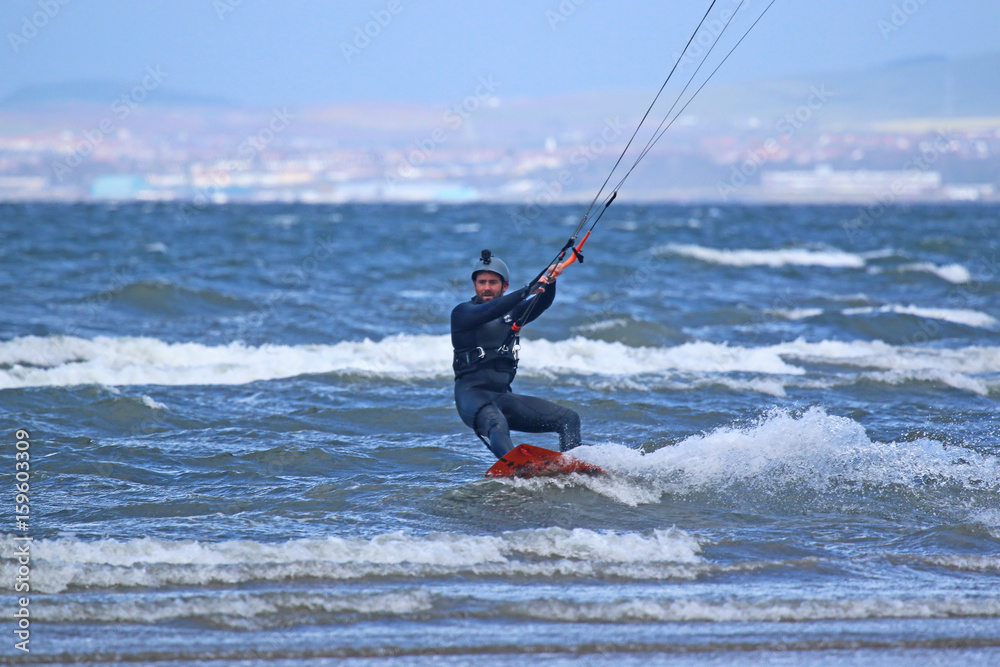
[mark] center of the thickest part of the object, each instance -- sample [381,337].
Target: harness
[469,360]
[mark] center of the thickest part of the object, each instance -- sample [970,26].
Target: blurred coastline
[919,130]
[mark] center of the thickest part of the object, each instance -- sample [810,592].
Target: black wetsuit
[484,371]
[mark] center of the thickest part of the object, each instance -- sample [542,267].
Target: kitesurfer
[485,359]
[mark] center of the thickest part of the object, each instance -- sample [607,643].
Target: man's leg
[491,423]
[537,415]
[477,409]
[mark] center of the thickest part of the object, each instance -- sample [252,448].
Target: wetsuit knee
[491,423]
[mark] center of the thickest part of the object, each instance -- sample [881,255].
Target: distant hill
[883,97]
[99,92]
[931,87]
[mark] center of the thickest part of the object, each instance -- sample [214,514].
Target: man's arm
[470,315]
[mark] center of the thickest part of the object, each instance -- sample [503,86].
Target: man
[486,360]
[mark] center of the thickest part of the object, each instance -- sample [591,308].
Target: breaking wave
[54,361]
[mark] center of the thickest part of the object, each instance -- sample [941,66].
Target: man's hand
[547,278]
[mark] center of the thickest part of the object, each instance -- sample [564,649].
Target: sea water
[243,446]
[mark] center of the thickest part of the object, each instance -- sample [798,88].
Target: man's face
[489,285]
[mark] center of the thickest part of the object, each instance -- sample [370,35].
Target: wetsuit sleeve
[469,315]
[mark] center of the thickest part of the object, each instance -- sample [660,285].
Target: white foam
[879,254]
[956,380]
[953,273]
[603,325]
[798,313]
[963,562]
[152,403]
[972,318]
[776,258]
[147,562]
[744,611]
[65,361]
[285,220]
[586,356]
[962,368]
[234,609]
[772,258]
[772,386]
[248,610]
[781,456]
[766,385]
[990,520]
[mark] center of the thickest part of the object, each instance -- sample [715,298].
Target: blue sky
[432,51]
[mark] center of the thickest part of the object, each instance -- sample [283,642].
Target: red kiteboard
[531,461]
